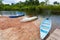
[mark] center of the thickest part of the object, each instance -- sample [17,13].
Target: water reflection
[55,22]
[5,13]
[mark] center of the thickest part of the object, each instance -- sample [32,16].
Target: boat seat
[43,31]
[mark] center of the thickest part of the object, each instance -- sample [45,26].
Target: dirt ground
[14,29]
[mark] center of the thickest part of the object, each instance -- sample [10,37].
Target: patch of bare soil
[13,29]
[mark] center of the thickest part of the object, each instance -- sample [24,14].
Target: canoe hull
[15,16]
[45,28]
[28,19]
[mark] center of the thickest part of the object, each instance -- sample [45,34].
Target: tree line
[32,7]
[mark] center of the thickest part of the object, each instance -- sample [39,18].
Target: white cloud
[50,1]
[11,1]
[6,2]
[19,0]
[15,1]
[41,0]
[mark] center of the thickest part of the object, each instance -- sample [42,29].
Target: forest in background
[32,7]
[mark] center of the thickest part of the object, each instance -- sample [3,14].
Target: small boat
[14,16]
[45,27]
[17,15]
[27,19]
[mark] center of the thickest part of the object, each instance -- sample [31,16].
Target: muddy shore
[13,29]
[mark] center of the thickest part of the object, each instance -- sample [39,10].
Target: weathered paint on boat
[45,28]
[27,19]
[17,15]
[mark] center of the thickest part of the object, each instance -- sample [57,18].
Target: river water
[7,13]
[55,22]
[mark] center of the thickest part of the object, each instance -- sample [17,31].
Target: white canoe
[45,28]
[27,19]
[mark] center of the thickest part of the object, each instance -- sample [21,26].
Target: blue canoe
[45,27]
[17,15]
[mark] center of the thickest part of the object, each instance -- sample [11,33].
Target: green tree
[1,1]
[46,2]
[56,2]
[42,3]
[12,3]
[32,2]
[26,2]
[36,2]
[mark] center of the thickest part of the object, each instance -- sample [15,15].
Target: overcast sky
[15,1]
